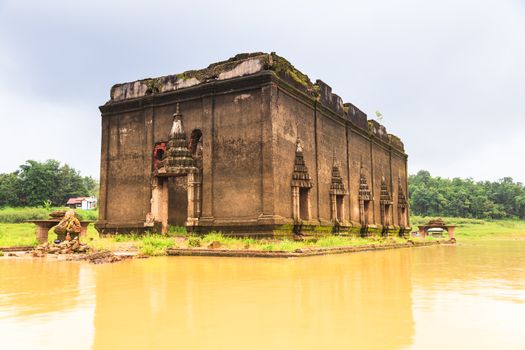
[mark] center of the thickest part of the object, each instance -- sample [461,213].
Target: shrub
[155,245]
[194,242]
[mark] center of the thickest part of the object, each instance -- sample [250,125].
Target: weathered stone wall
[237,157]
[399,175]
[359,155]
[331,139]
[232,142]
[292,117]
[124,178]
[326,129]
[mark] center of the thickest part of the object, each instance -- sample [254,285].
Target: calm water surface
[469,296]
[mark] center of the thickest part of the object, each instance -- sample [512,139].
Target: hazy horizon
[446,76]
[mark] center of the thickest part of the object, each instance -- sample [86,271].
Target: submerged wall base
[263,231]
[299,252]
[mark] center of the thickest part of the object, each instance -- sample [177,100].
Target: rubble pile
[75,250]
[105,257]
[65,247]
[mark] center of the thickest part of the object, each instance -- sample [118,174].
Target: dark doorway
[303,204]
[178,201]
[195,138]
[402,217]
[388,214]
[339,207]
[366,214]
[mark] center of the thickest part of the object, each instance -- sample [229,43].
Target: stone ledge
[20,248]
[299,252]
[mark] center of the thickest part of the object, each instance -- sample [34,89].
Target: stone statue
[150,219]
[69,227]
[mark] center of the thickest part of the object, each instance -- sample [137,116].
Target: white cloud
[447,75]
[41,130]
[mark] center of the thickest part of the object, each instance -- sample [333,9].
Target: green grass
[155,245]
[476,229]
[23,234]
[17,235]
[338,241]
[177,230]
[21,214]
[16,215]
[491,229]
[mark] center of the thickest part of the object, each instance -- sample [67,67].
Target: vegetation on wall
[436,196]
[44,183]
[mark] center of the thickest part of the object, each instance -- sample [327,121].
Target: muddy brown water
[469,296]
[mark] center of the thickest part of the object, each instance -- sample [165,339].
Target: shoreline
[241,253]
[244,253]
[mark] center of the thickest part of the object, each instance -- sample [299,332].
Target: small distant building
[86,203]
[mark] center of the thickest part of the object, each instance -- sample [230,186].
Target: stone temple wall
[252,110]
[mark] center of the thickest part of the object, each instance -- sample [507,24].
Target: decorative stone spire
[300,177]
[364,190]
[176,128]
[401,197]
[178,158]
[385,196]
[337,187]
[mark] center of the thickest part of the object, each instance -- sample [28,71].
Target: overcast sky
[448,76]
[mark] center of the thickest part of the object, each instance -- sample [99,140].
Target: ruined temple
[247,146]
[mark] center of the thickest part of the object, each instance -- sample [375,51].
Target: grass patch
[476,229]
[17,235]
[155,245]
[17,215]
[177,231]
[20,214]
[23,234]
[491,229]
[338,241]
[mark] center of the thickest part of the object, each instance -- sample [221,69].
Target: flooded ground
[443,297]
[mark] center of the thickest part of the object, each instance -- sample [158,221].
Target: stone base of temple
[105,228]
[278,228]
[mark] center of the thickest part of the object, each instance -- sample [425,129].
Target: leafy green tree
[435,196]
[9,189]
[38,182]
[44,182]
[91,185]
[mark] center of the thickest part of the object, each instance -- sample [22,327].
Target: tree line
[436,196]
[40,183]
[44,183]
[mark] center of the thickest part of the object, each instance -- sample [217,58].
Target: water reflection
[45,305]
[474,293]
[31,287]
[360,300]
[494,268]
[468,296]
